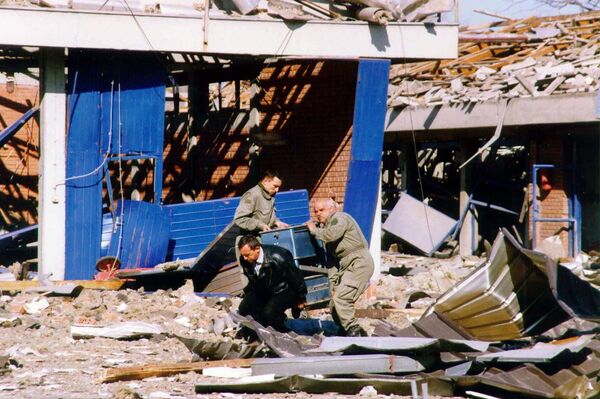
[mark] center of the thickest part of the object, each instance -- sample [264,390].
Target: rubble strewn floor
[46,362]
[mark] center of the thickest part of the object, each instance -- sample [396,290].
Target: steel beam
[569,108]
[227,35]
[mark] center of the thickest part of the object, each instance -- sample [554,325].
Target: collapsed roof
[530,57]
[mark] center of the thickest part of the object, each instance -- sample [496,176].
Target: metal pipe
[494,207]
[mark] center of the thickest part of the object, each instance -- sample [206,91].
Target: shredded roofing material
[530,57]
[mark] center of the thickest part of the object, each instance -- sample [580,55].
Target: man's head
[324,208]
[271,182]
[249,247]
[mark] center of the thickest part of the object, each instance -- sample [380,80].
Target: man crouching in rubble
[275,284]
[351,264]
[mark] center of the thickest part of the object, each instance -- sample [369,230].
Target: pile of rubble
[514,324]
[375,11]
[82,343]
[531,57]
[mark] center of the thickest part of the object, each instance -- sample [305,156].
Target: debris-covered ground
[40,358]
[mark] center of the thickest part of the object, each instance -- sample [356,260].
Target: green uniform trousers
[347,282]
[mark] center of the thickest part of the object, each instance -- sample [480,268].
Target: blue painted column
[116,107]
[84,182]
[370,106]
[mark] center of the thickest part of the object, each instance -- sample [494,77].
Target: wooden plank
[22,285]
[530,87]
[229,280]
[167,369]
[554,85]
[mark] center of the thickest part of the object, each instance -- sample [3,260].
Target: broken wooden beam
[527,85]
[168,369]
[491,38]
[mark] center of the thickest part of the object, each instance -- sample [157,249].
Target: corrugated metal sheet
[431,326]
[362,188]
[83,207]
[194,225]
[348,386]
[516,293]
[138,102]
[395,345]
[284,345]
[142,236]
[104,84]
[507,297]
[330,365]
[541,352]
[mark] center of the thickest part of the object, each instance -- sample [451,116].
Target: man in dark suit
[274,283]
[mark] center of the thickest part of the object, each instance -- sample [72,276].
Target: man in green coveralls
[351,265]
[256,211]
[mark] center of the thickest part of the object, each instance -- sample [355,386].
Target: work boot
[356,331]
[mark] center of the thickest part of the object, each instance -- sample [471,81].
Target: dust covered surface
[44,361]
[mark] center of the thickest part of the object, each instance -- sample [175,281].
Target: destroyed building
[150,129]
[505,135]
[158,125]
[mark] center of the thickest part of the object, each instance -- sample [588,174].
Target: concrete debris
[36,306]
[375,15]
[368,391]
[127,330]
[547,56]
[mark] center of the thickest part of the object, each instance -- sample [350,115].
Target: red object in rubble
[545,183]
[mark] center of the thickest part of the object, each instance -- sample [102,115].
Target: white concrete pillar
[52,168]
[375,245]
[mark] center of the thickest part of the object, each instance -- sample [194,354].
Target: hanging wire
[414,143]
[113,267]
[107,153]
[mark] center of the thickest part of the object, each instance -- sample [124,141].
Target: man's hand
[297,309]
[281,225]
[265,228]
[311,226]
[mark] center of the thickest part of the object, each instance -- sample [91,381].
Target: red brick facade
[19,159]
[553,203]
[308,104]
[311,105]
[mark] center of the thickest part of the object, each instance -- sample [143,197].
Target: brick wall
[207,164]
[311,106]
[19,159]
[553,203]
[307,106]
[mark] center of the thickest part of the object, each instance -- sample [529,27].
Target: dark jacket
[277,273]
